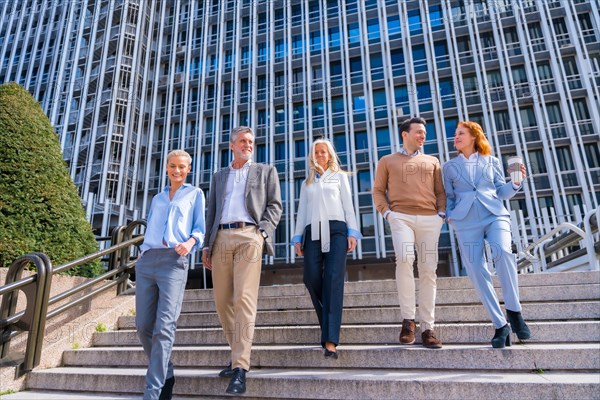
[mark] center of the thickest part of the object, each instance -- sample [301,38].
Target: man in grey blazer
[244,208]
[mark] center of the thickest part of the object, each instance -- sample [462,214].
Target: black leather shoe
[166,393]
[518,325]
[237,384]
[227,372]
[330,354]
[501,338]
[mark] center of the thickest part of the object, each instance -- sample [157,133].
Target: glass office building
[126,81]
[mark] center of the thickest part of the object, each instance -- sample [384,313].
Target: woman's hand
[351,244]
[298,248]
[206,260]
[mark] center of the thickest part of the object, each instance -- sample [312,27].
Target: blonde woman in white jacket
[326,230]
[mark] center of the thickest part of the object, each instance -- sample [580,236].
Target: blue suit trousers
[160,277]
[324,275]
[479,225]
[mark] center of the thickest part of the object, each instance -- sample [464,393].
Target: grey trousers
[160,276]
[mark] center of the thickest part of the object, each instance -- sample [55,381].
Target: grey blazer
[263,202]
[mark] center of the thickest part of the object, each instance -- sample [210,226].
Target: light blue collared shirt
[403,151]
[174,221]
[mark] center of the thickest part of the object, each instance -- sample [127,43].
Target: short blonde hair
[180,153]
[333,163]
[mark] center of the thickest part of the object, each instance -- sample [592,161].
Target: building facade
[126,81]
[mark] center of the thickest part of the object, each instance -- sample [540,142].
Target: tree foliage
[40,209]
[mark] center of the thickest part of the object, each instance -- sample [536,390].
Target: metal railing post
[589,238]
[125,253]
[116,238]
[34,317]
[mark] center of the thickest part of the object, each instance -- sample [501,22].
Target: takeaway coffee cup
[514,167]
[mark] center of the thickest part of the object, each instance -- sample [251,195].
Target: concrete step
[449,296]
[543,332]
[383,286]
[61,395]
[389,315]
[525,357]
[337,384]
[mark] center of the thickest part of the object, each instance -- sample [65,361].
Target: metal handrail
[546,245]
[37,290]
[33,319]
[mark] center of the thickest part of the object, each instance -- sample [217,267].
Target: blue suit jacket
[488,187]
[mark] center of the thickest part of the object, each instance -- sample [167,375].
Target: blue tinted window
[334,37]
[280,151]
[339,143]
[424,96]
[364,181]
[450,126]
[358,103]
[379,98]
[280,48]
[441,54]
[393,25]
[447,93]
[261,153]
[401,94]
[435,17]
[353,34]
[431,149]
[383,137]
[414,22]
[419,61]
[224,158]
[337,104]
[315,41]
[335,68]
[373,29]
[361,141]
[317,108]
[376,66]
[297,45]
[430,129]
[299,149]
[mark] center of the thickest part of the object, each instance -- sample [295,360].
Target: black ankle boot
[518,325]
[501,338]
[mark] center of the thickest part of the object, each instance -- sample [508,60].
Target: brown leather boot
[430,341]
[407,334]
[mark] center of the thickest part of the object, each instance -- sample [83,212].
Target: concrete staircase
[562,361]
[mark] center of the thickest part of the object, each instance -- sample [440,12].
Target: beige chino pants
[416,234]
[236,258]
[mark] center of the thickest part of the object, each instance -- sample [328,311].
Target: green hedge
[40,209]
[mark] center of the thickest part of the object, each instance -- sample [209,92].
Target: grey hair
[240,129]
[180,153]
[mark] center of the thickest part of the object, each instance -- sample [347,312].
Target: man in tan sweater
[415,208]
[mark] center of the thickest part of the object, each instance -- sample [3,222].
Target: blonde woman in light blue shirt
[175,227]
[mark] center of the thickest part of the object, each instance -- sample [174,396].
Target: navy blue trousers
[324,278]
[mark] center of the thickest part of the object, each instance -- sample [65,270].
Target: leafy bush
[40,209]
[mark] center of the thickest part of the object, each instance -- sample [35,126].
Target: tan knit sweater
[413,185]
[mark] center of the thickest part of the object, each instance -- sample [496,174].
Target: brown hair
[482,146]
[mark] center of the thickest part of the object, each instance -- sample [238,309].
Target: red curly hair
[482,146]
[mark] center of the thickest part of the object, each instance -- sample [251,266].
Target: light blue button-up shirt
[171,222]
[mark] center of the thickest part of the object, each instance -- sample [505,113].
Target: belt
[236,225]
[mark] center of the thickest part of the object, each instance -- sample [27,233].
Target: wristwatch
[263,233]
[195,239]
